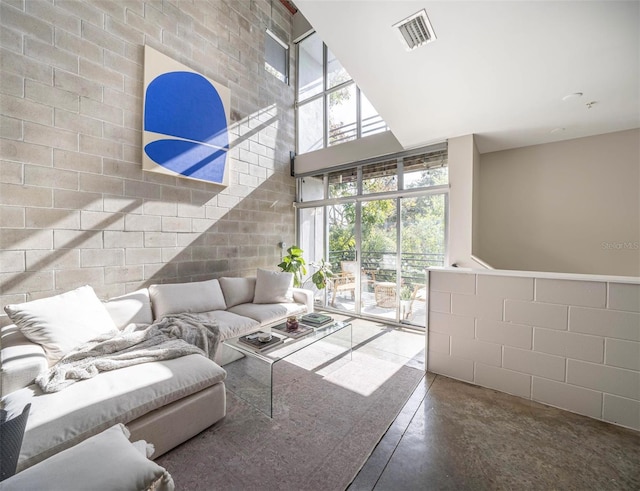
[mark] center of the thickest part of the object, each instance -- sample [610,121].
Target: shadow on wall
[258,220]
[163,228]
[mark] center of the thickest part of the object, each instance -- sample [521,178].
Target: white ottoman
[107,461]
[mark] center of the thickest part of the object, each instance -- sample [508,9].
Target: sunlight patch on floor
[379,352]
[363,376]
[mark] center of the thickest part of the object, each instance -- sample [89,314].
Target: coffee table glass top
[251,377]
[289,345]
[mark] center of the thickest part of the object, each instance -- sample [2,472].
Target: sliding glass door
[342,254]
[379,258]
[379,225]
[378,250]
[423,244]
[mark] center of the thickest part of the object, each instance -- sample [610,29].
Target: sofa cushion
[273,287]
[132,308]
[59,420]
[268,312]
[238,290]
[105,461]
[230,324]
[21,360]
[62,322]
[175,298]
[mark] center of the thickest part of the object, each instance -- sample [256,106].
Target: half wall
[567,340]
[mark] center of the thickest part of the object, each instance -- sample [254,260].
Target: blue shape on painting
[189,158]
[186,106]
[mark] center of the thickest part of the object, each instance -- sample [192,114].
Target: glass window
[423,234]
[378,238]
[361,243]
[310,67]
[343,183]
[311,188]
[425,170]
[336,74]
[370,119]
[380,177]
[276,57]
[311,232]
[347,113]
[310,126]
[342,115]
[311,240]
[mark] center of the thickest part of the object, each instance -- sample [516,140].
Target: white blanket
[171,337]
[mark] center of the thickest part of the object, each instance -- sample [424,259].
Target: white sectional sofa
[162,402]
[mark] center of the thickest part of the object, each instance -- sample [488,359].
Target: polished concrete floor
[452,435]
[456,436]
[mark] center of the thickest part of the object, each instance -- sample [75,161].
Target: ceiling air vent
[416,30]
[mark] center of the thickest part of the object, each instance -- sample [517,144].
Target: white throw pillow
[62,322]
[176,298]
[238,290]
[273,287]
[132,308]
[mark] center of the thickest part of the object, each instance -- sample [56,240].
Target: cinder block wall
[75,206]
[570,341]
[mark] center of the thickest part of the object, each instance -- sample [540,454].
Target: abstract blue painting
[185,124]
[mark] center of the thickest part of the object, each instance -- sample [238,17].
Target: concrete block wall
[75,206]
[570,341]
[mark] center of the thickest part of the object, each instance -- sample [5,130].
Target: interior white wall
[352,151]
[571,206]
[475,203]
[301,27]
[462,155]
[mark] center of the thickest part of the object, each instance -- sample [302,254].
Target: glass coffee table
[251,376]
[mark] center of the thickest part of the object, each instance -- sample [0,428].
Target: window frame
[432,153]
[325,96]
[434,156]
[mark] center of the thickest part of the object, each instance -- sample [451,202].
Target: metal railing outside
[347,132]
[382,264]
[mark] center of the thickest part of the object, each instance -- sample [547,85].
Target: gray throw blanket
[170,337]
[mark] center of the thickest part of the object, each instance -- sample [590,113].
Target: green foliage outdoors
[422,233]
[422,218]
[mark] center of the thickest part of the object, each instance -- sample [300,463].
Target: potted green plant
[294,263]
[406,295]
[322,274]
[406,292]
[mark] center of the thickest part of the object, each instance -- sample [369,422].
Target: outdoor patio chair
[419,294]
[345,280]
[385,294]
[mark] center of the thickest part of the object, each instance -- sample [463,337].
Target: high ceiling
[498,69]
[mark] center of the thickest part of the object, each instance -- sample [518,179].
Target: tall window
[331,109]
[386,217]
[276,56]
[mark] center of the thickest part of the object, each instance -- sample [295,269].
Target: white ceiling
[497,69]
